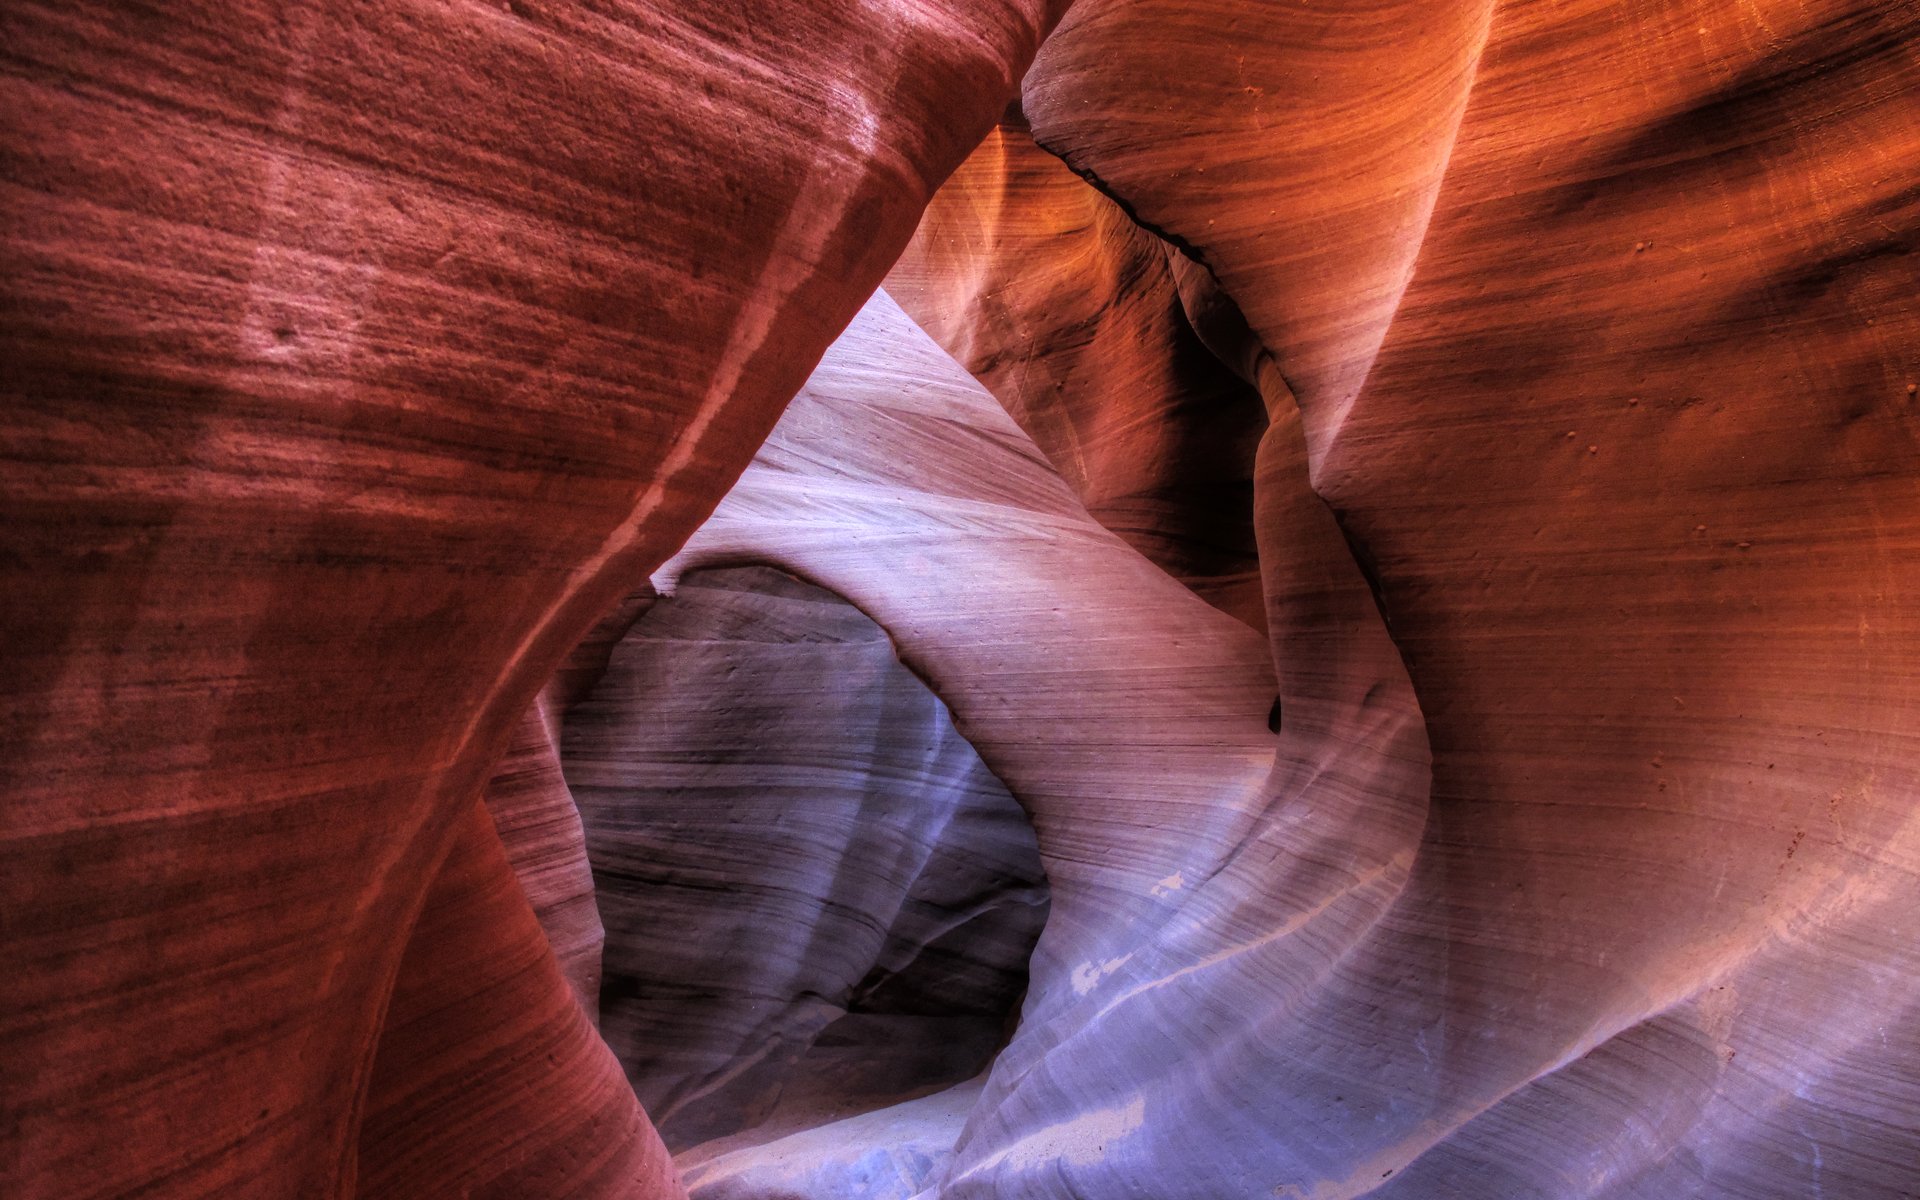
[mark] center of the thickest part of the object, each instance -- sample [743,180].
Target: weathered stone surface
[1131,719]
[1299,150]
[355,358]
[891,1153]
[818,900]
[538,826]
[1295,984]
[448,1112]
[1603,343]
[1548,832]
[536,818]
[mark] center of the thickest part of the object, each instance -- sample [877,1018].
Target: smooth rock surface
[1601,322]
[538,826]
[891,1153]
[444,1103]
[536,818]
[355,358]
[1546,831]
[1299,984]
[1131,718]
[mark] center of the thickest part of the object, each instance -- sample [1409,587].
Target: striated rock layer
[537,819]
[538,826]
[355,358]
[1132,719]
[1600,319]
[1267,967]
[1484,769]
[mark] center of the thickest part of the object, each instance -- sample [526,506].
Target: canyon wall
[1600,323]
[1393,530]
[356,358]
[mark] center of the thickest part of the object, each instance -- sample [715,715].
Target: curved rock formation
[356,357]
[488,1080]
[535,815]
[538,826]
[1485,769]
[1620,416]
[1133,721]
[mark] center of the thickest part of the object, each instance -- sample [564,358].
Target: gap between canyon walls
[1070,315]
[820,903]
[1117,352]
[1013,308]
[353,357]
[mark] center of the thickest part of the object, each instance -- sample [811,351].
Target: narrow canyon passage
[960,600]
[818,900]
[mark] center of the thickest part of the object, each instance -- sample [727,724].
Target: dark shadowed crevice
[1070,313]
[819,902]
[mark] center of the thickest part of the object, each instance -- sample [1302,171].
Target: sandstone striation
[1352,633]
[1132,719]
[356,358]
[1617,416]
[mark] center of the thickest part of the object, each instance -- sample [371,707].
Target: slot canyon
[960,599]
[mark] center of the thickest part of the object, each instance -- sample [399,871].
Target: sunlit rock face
[818,899]
[1600,321]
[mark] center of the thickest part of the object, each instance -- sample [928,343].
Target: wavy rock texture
[535,815]
[1131,719]
[1547,831]
[818,900]
[1326,992]
[878,1155]
[356,357]
[446,1106]
[538,827]
[1621,418]
[1298,150]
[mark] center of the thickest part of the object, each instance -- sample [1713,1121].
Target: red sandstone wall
[356,357]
